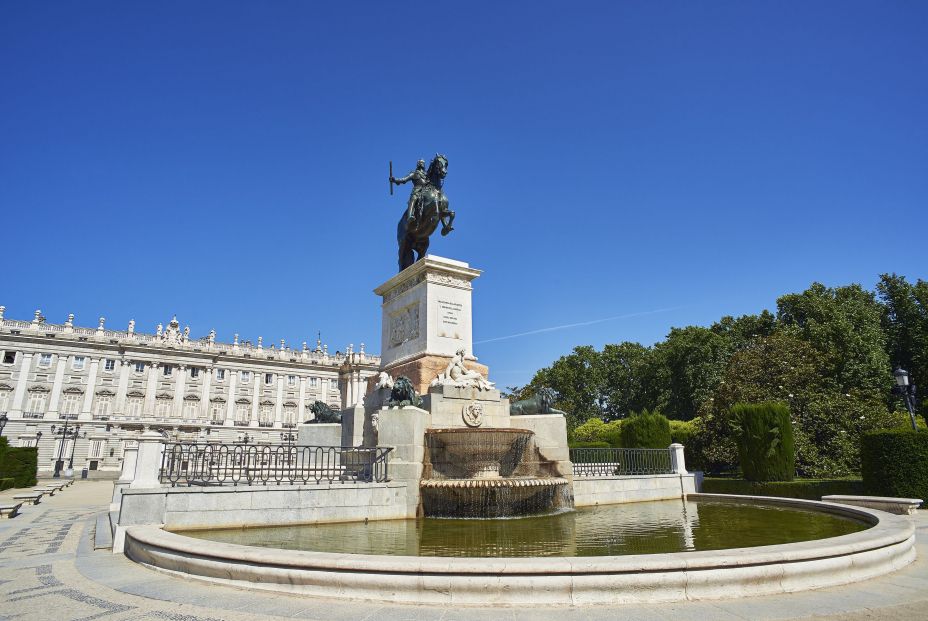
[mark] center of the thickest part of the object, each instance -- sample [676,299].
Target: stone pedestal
[447,405]
[404,430]
[353,426]
[550,438]
[319,434]
[426,319]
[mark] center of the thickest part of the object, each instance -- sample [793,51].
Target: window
[191,409]
[266,414]
[102,406]
[289,414]
[134,406]
[64,451]
[168,369]
[5,400]
[220,375]
[216,412]
[139,367]
[26,442]
[109,364]
[36,403]
[9,357]
[268,378]
[45,360]
[163,408]
[241,413]
[78,363]
[194,372]
[246,376]
[96,449]
[333,384]
[71,404]
[313,382]
[291,380]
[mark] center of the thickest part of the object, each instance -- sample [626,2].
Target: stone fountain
[458,449]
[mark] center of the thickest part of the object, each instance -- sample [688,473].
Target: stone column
[230,401]
[25,367]
[677,460]
[53,404]
[255,400]
[89,392]
[151,389]
[300,408]
[204,395]
[279,404]
[123,386]
[404,430]
[148,461]
[177,406]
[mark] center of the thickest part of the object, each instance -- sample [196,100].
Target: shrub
[646,430]
[894,462]
[19,464]
[576,444]
[808,489]
[764,436]
[6,484]
[595,430]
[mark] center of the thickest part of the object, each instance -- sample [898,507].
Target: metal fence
[607,462]
[275,464]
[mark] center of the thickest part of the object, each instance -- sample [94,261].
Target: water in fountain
[487,473]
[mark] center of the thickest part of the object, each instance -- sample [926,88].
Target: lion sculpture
[323,414]
[403,394]
[539,403]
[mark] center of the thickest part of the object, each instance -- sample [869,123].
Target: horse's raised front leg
[447,219]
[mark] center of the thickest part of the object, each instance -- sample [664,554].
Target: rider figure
[419,181]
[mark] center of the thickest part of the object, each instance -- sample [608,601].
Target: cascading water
[488,473]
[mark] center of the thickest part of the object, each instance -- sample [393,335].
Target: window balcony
[265,423]
[33,414]
[243,423]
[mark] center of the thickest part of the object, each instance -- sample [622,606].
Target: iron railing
[607,462]
[185,463]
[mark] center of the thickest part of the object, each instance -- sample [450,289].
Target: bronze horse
[432,208]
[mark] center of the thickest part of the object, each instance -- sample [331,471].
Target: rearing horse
[432,208]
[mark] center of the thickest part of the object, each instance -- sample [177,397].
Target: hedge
[808,489]
[19,464]
[588,445]
[6,484]
[894,462]
[646,430]
[595,430]
[764,436]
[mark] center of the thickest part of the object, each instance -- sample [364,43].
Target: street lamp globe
[901,376]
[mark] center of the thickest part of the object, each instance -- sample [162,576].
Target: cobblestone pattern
[50,570]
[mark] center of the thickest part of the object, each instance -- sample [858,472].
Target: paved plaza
[49,569]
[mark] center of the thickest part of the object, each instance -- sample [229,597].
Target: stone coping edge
[886,546]
[229,488]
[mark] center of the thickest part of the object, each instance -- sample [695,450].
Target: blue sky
[656,163]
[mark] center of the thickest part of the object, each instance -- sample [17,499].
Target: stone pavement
[49,570]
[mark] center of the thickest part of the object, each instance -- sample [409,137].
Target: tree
[844,326]
[905,322]
[694,359]
[626,374]
[577,379]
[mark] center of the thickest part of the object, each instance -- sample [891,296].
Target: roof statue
[426,208]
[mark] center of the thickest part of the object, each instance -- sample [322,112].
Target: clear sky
[654,164]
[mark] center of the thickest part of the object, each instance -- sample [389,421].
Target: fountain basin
[493,498]
[887,545]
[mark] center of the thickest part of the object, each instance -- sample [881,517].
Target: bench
[10,509]
[46,490]
[899,506]
[35,497]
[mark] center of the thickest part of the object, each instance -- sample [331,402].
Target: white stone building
[116,384]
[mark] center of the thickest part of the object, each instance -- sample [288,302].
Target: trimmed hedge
[6,484]
[19,464]
[646,430]
[807,489]
[894,462]
[764,436]
[588,445]
[595,430]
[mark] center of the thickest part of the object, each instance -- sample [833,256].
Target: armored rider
[419,181]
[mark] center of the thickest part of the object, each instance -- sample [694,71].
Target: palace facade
[110,386]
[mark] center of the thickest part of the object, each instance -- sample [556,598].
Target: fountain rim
[886,530]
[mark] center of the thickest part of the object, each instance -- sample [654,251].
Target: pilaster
[55,400]
[19,393]
[89,392]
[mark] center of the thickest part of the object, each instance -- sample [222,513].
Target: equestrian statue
[426,208]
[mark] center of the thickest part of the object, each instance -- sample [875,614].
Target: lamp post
[3,419]
[289,438]
[906,390]
[65,434]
